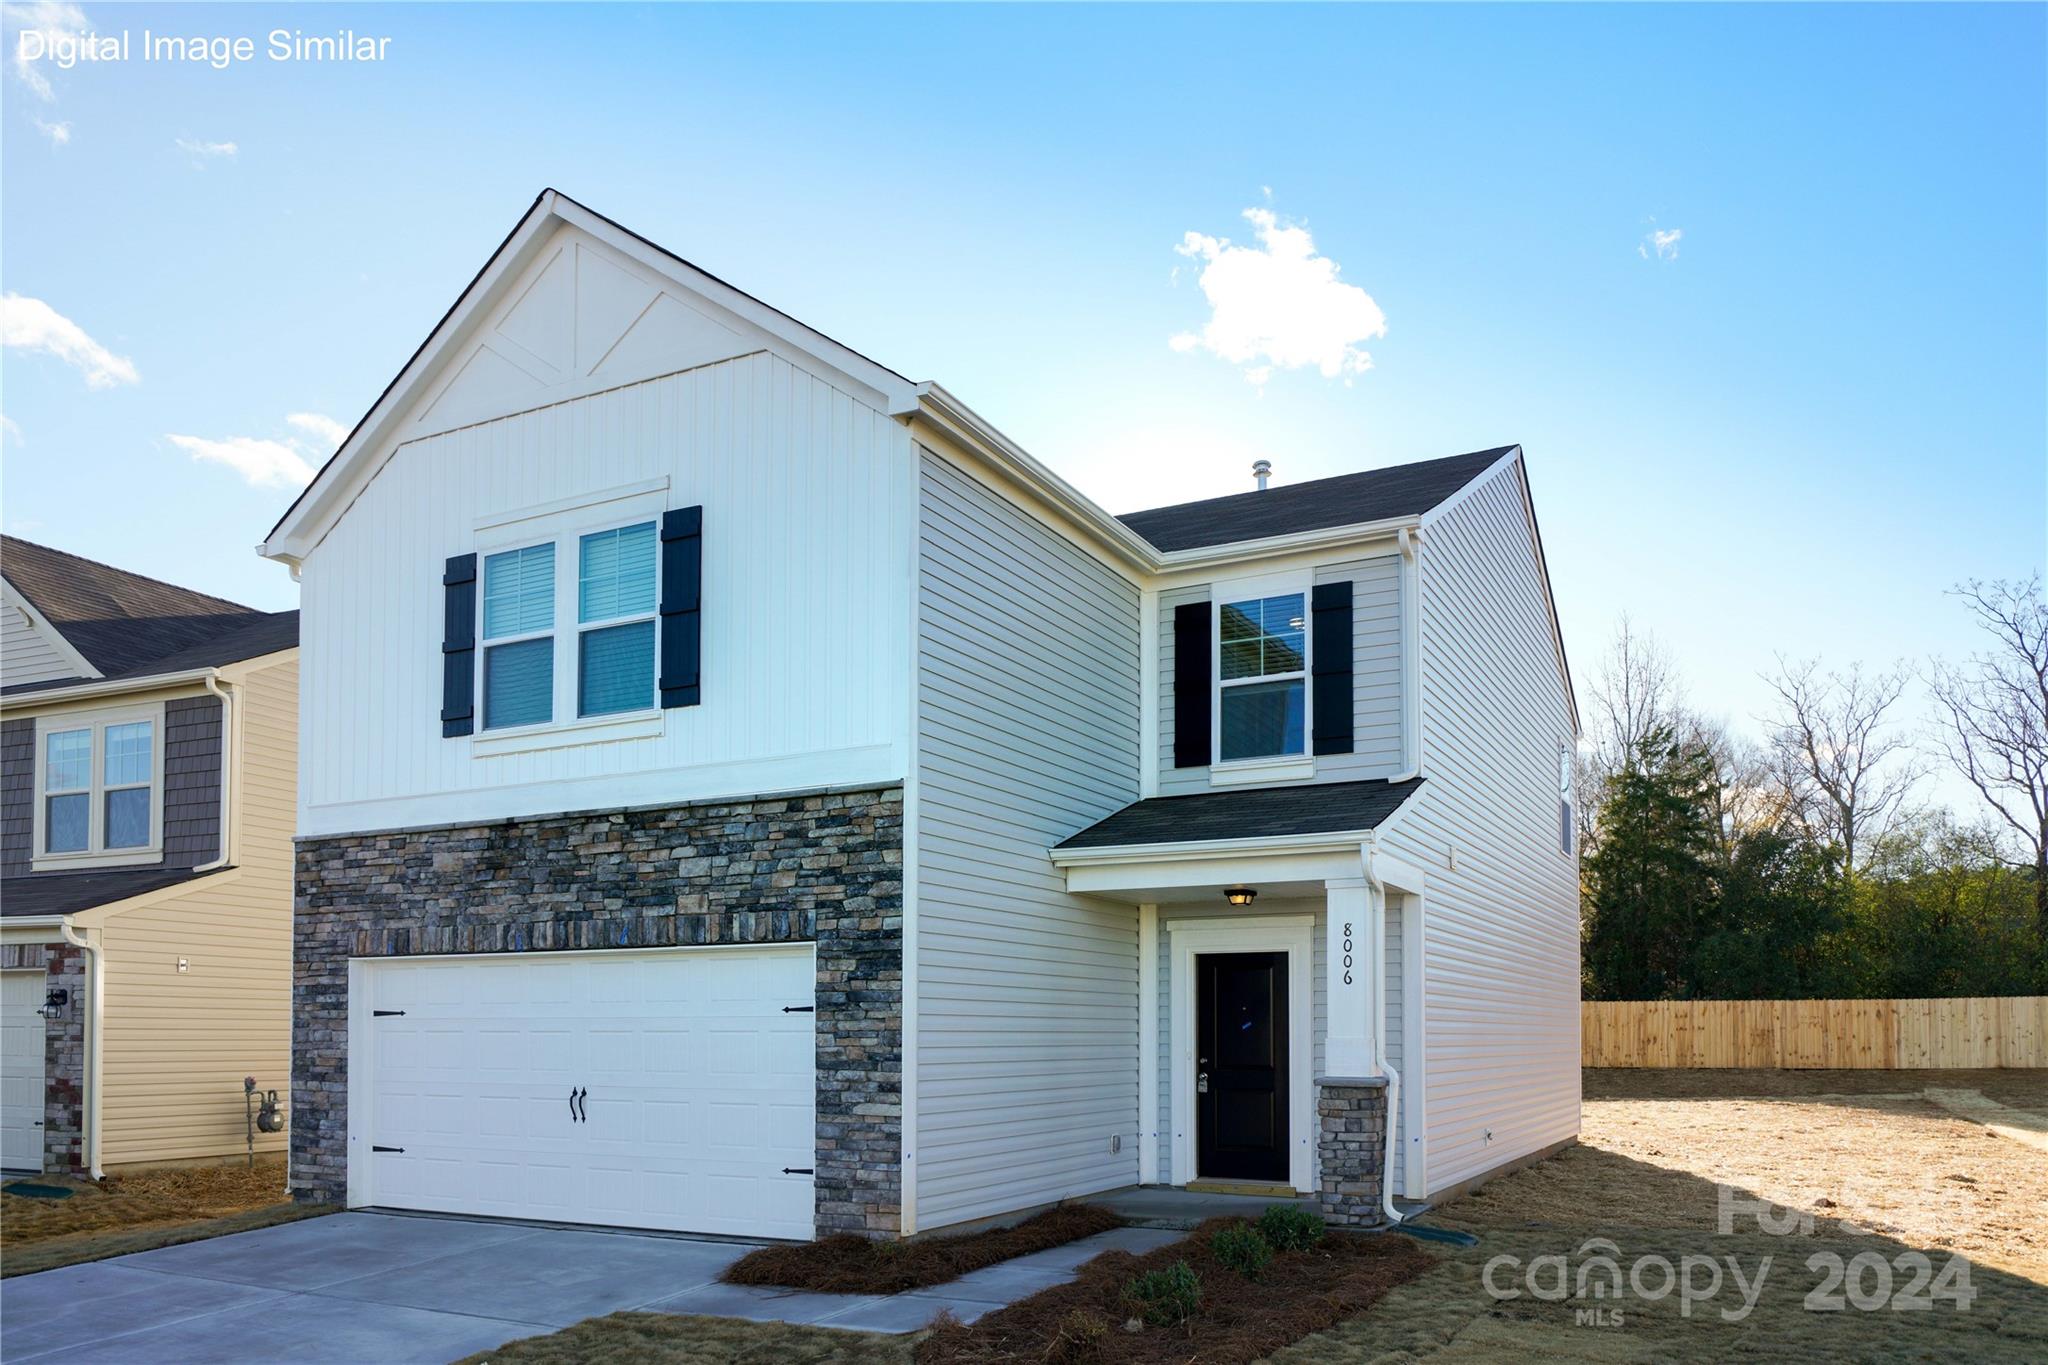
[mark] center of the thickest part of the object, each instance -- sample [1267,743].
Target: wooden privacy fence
[1985,1031]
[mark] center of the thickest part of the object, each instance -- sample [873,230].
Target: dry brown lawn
[139,1212]
[662,1339]
[1879,1166]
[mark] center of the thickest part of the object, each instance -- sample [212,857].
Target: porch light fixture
[1239,895]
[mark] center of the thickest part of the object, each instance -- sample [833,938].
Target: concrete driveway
[357,1288]
[353,1287]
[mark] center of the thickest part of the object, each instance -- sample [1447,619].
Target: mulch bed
[1240,1320]
[847,1264]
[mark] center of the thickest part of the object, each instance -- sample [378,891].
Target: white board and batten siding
[1501,1012]
[1026,1085]
[1376,676]
[805,491]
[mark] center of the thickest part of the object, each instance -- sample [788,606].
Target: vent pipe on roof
[1262,470]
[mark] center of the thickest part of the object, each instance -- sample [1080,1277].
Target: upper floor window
[98,794]
[603,616]
[1262,677]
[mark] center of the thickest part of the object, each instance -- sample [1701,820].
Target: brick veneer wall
[826,868]
[63,968]
[1352,1145]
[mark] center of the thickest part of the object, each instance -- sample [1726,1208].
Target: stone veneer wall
[1352,1146]
[63,967]
[826,868]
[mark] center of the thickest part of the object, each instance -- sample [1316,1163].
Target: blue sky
[1789,430]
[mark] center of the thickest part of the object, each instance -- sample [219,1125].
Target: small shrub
[1078,1339]
[1240,1247]
[1166,1297]
[1289,1227]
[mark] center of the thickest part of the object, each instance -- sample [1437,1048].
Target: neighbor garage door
[667,1090]
[21,1070]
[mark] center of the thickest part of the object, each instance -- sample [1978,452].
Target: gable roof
[129,625]
[1249,813]
[327,496]
[1403,490]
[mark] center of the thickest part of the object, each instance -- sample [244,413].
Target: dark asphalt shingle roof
[67,893]
[1249,813]
[1405,490]
[131,626]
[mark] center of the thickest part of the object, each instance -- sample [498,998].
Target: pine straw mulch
[1240,1320]
[847,1264]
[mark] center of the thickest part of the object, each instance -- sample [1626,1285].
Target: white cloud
[206,151]
[32,325]
[10,430]
[261,463]
[324,427]
[266,463]
[55,23]
[1278,305]
[58,133]
[1661,243]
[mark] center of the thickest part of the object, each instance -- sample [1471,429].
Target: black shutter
[1192,684]
[458,647]
[1331,693]
[682,593]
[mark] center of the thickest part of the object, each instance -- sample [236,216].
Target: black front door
[1241,1066]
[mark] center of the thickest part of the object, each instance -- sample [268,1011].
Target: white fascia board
[32,929]
[1211,558]
[43,627]
[970,429]
[43,698]
[1338,841]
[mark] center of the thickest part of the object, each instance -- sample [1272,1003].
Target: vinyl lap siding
[1375,676]
[1501,1005]
[1027,731]
[25,656]
[179,1043]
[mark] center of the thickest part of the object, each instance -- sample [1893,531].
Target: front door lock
[1202,1083]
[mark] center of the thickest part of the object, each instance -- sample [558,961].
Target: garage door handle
[577,1115]
[375,1148]
[385,1014]
[798,1170]
[799,1009]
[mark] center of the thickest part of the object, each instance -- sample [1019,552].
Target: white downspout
[1379,1037]
[97,976]
[229,749]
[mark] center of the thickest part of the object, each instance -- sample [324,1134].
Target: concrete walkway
[356,1287]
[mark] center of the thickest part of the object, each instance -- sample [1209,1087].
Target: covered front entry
[671,1089]
[1241,1081]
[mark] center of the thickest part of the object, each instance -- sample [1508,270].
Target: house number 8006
[1347,954]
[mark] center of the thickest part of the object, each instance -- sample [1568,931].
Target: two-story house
[746,793]
[148,740]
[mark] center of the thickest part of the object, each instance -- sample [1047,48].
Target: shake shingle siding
[17,795]
[192,769]
[1027,1068]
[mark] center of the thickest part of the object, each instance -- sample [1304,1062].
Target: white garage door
[21,1071]
[667,1090]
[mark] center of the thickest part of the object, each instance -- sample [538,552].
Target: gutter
[229,748]
[94,1050]
[106,687]
[1379,1039]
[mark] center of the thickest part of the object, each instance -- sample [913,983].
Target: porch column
[1350,1045]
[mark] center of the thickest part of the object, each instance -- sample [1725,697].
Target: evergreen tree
[1650,887]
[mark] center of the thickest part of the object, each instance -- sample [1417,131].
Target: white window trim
[564,527]
[1290,934]
[1266,767]
[95,854]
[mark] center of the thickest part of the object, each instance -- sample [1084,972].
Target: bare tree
[1846,771]
[1635,691]
[1994,716]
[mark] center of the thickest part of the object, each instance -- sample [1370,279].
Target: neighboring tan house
[746,793]
[148,777]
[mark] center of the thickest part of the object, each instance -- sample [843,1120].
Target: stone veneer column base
[63,968]
[1352,1146]
[824,868]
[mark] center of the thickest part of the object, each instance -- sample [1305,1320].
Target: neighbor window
[1262,677]
[98,779]
[1564,799]
[609,620]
